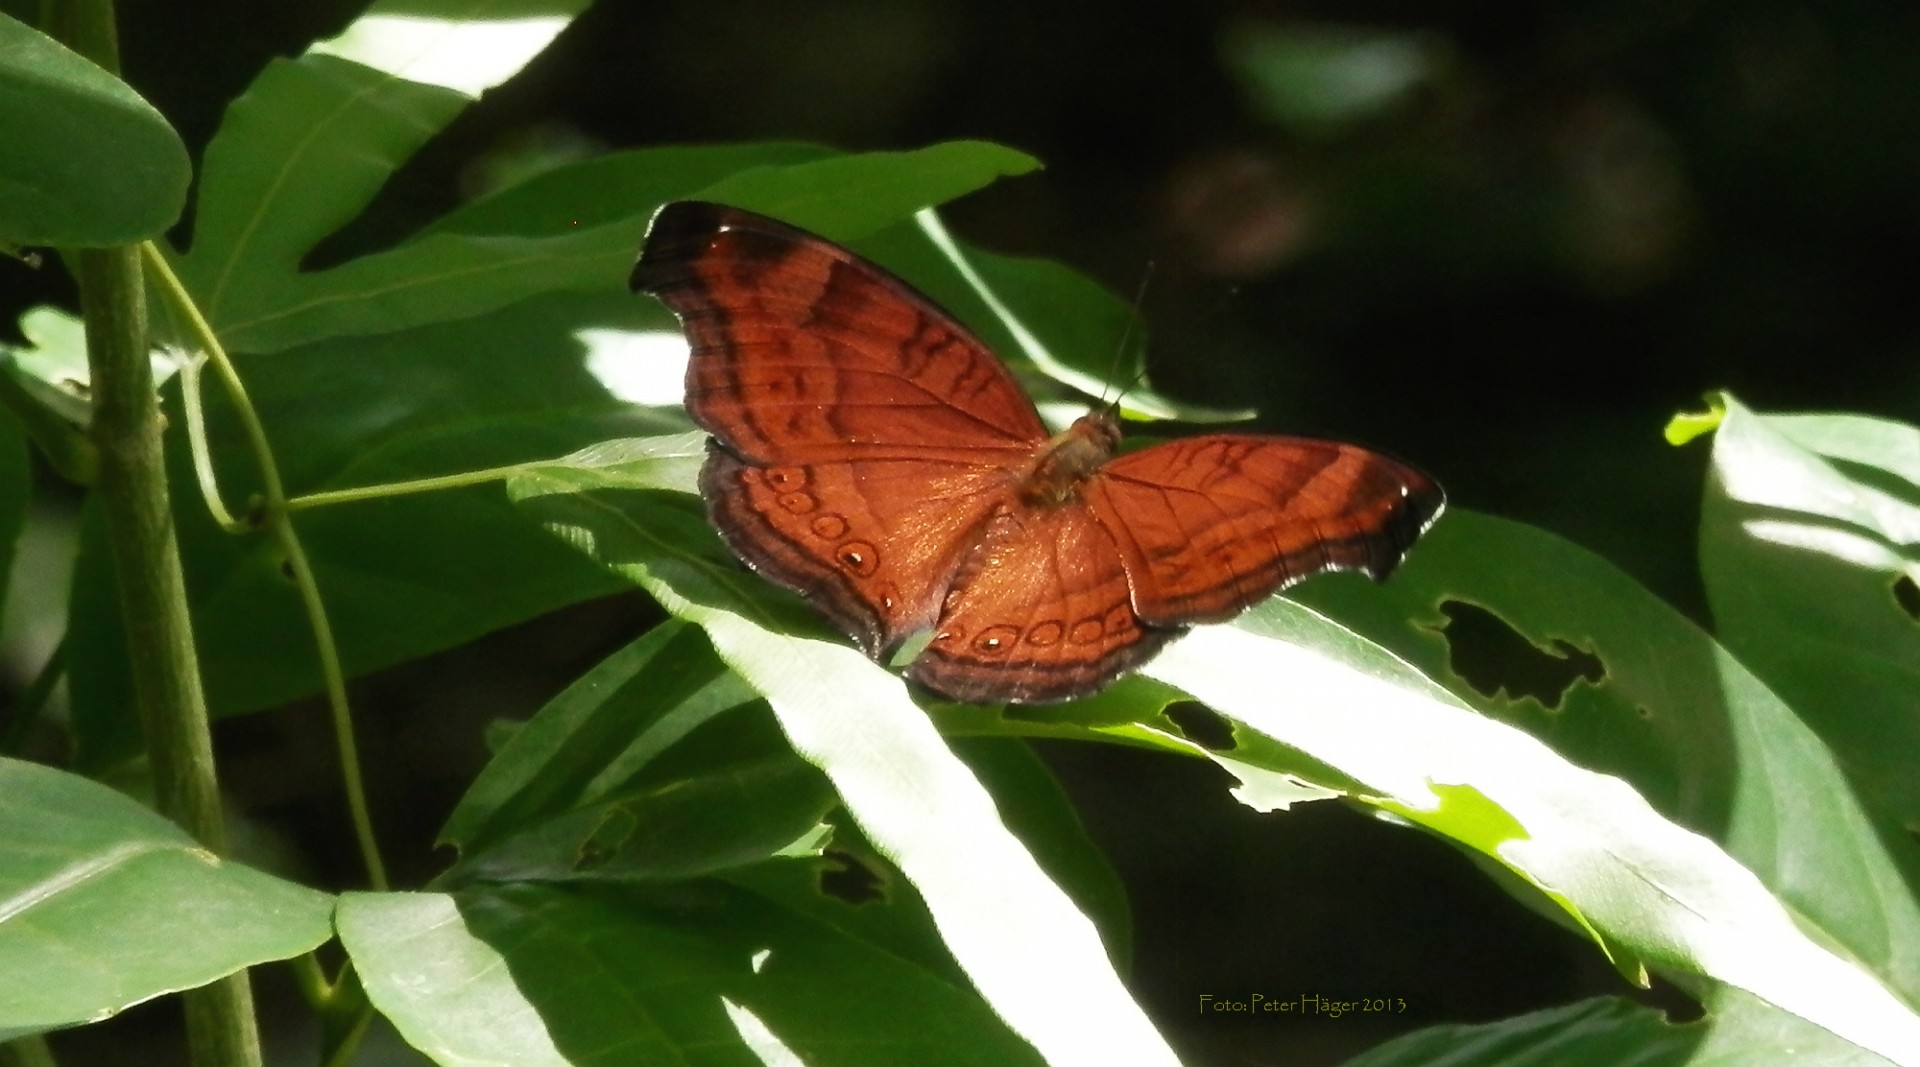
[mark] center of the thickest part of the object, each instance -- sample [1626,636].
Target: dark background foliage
[1546,229]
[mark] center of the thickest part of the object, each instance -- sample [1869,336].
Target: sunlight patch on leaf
[466,56]
[1661,891]
[1268,791]
[447,991]
[760,1040]
[1840,544]
[638,366]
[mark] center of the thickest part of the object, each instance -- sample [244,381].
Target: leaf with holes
[1703,740]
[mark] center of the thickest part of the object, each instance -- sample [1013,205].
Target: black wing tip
[677,232]
[682,229]
[1416,513]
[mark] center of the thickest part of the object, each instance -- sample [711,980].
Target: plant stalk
[276,517]
[132,490]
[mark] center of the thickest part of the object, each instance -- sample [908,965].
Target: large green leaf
[647,769]
[281,189]
[1608,1031]
[1810,547]
[1669,710]
[1651,892]
[598,735]
[104,904]
[314,138]
[87,161]
[1019,939]
[1661,705]
[707,974]
[402,576]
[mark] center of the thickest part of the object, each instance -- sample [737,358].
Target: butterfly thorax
[1065,462]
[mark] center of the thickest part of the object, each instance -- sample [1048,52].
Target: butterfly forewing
[862,436]
[804,352]
[1210,525]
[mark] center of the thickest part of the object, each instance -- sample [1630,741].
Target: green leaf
[1671,712]
[106,904]
[846,198]
[313,139]
[1652,892]
[597,735]
[652,752]
[1656,702]
[88,163]
[1608,1031]
[614,187]
[1039,812]
[449,274]
[530,976]
[401,576]
[283,189]
[1019,939]
[611,781]
[1810,547]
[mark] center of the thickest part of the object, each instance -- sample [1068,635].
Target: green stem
[417,485]
[132,490]
[197,443]
[344,1019]
[278,520]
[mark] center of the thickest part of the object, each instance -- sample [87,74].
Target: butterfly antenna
[1126,335]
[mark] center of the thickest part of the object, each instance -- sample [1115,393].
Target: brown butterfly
[871,454]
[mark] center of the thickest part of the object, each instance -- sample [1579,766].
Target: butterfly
[871,454]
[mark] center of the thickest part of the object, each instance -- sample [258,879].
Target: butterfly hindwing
[872,544]
[1040,612]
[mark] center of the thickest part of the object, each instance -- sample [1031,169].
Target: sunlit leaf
[612,976]
[1810,547]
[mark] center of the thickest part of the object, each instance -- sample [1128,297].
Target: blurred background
[1503,241]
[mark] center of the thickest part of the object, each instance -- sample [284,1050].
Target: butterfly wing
[862,436]
[1041,612]
[804,352]
[1208,526]
[872,544]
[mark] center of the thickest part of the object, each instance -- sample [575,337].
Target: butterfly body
[872,455]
